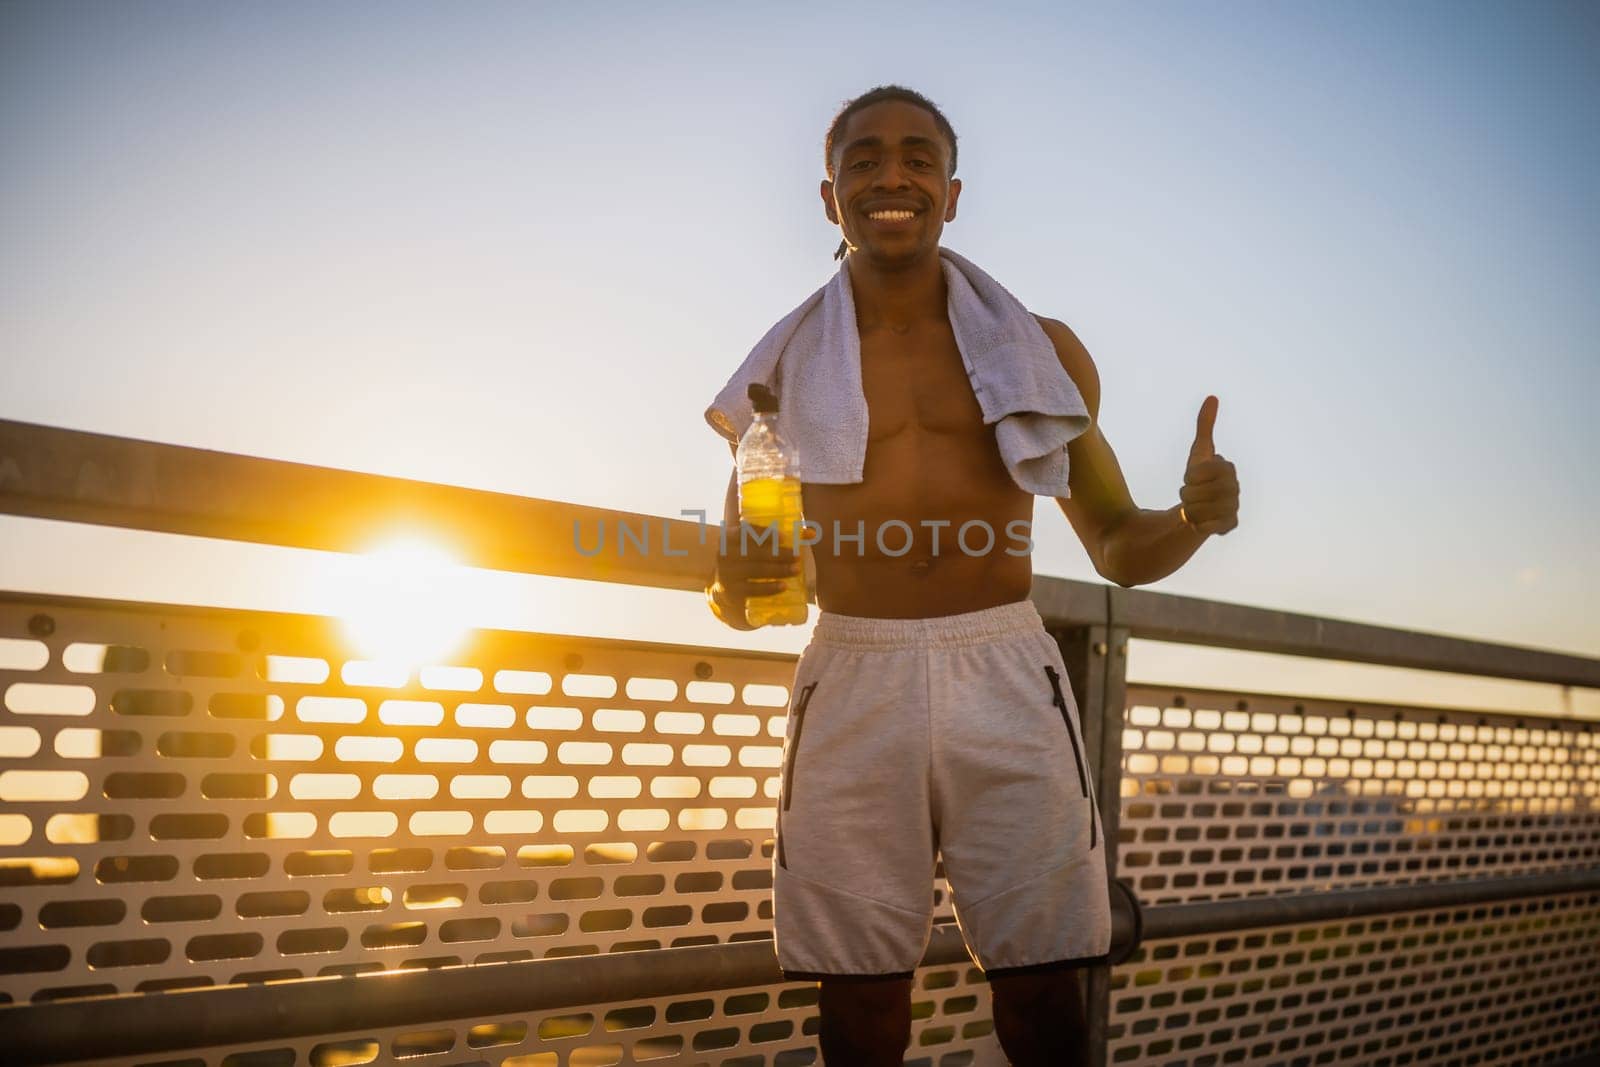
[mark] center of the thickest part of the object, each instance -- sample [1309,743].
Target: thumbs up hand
[1210,492]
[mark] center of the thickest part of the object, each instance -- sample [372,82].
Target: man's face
[891,192]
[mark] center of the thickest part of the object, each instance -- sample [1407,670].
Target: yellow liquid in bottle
[762,502]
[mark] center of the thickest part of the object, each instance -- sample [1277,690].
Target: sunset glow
[403,604]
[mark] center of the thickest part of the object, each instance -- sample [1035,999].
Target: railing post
[1096,659]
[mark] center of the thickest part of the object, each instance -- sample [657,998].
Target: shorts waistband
[943,631]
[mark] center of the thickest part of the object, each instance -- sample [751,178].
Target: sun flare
[403,603]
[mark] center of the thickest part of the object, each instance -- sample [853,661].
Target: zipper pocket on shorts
[1077,752]
[801,700]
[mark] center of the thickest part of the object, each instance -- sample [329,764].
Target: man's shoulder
[1075,360]
[1058,332]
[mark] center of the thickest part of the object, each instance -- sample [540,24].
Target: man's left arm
[1130,545]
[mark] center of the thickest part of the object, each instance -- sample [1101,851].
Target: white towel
[1016,376]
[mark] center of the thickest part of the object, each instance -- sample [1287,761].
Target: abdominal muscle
[951,476]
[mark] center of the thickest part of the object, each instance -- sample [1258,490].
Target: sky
[520,246]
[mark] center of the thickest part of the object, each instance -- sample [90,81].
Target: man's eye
[861,164]
[921,164]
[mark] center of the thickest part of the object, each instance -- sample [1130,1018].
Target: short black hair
[878,96]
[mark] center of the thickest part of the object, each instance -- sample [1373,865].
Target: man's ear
[955,194]
[827,202]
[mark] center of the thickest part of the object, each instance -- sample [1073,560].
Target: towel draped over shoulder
[812,359]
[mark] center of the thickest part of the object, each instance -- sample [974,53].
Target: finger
[1225,509]
[1204,470]
[1211,477]
[766,587]
[745,570]
[761,570]
[745,589]
[1208,474]
[757,554]
[766,565]
[1205,424]
[1210,493]
[1215,518]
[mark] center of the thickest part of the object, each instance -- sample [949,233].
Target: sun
[403,603]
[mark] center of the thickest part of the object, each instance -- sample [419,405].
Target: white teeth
[892,216]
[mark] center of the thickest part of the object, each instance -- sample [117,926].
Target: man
[929,708]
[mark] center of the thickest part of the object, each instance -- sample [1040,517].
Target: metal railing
[219,829]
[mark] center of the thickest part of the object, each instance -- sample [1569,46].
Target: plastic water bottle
[769,494]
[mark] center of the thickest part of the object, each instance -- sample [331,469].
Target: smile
[891,216]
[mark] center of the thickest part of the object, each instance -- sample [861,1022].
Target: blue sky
[520,246]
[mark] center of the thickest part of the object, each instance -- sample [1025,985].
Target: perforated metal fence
[1232,796]
[198,797]
[1228,794]
[1510,983]
[244,847]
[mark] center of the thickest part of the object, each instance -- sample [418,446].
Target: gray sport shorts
[911,737]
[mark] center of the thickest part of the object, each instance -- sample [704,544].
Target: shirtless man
[930,457]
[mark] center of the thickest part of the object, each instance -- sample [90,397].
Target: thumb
[1204,447]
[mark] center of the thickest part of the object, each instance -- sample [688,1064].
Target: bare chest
[916,383]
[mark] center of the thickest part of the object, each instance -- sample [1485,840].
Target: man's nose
[891,175]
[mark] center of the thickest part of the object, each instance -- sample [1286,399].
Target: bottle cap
[762,398]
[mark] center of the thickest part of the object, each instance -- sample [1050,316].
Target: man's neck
[898,297]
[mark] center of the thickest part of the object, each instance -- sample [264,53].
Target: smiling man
[931,715]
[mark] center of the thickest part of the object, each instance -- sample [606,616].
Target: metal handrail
[1170,921]
[74,476]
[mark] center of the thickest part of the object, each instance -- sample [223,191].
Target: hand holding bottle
[759,580]
[746,572]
